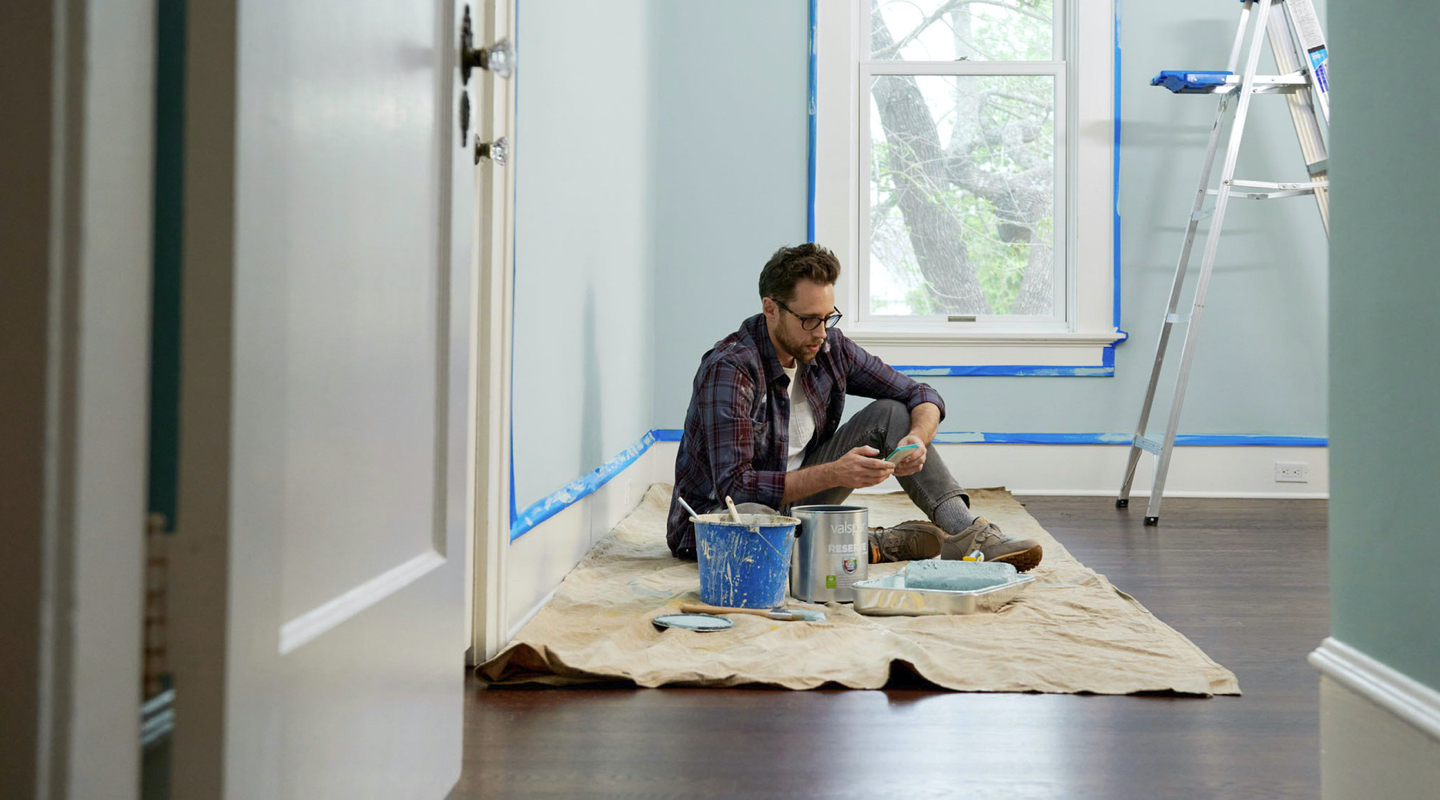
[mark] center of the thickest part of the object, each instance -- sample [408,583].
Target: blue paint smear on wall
[1115,166]
[811,129]
[1105,370]
[514,248]
[578,489]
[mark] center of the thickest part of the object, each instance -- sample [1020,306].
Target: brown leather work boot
[908,541]
[1023,554]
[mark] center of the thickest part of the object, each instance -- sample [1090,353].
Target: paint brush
[779,613]
[685,505]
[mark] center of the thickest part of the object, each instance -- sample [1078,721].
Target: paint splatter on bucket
[746,564]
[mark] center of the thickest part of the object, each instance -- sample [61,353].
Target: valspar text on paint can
[832,553]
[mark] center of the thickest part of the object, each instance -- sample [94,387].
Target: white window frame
[1082,340]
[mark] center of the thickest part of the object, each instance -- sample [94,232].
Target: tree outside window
[965,177]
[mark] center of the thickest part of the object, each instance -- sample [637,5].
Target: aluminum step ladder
[1298,45]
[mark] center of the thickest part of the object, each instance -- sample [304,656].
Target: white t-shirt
[802,421]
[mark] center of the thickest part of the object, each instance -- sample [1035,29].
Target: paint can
[832,553]
[745,564]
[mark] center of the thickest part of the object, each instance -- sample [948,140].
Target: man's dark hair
[790,265]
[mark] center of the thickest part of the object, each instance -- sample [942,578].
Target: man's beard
[799,349]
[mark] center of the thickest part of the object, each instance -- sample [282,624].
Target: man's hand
[913,462]
[860,468]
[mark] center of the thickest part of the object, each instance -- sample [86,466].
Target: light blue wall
[1260,367]
[584,237]
[731,177]
[1384,538]
[661,157]
[731,173]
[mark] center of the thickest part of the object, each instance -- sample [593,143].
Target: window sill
[996,353]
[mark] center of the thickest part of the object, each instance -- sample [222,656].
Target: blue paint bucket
[746,564]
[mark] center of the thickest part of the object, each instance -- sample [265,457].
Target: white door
[317,603]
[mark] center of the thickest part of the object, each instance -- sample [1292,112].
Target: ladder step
[1148,445]
[1173,318]
[1268,84]
[1200,81]
[1274,185]
[1277,189]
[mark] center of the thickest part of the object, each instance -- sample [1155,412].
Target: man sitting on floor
[764,428]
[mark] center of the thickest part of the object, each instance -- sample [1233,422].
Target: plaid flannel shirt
[737,429]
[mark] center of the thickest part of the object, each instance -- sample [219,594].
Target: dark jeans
[880,425]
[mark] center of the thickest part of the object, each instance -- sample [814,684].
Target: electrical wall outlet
[1292,472]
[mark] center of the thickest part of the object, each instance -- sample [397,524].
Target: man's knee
[896,416]
[893,412]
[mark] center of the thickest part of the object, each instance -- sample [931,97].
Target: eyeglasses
[811,323]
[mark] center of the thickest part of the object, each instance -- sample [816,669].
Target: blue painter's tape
[513,515]
[514,249]
[578,489]
[811,127]
[583,487]
[1202,440]
[1189,440]
[1115,168]
[1105,370]
[1032,438]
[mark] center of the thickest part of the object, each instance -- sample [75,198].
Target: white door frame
[495,187]
[78,167]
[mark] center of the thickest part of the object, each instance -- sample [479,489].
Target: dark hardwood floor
[1246,580]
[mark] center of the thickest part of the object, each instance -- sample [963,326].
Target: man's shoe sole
[1023,561]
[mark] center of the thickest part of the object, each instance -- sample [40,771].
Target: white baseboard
[1381,684]
[1114,490]
[1379,729]
[524,618]
[1095,470]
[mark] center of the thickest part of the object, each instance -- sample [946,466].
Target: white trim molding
[528,615]
[1383,685]
[310,625]
[489,499]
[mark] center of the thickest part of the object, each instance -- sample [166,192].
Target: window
[964,172]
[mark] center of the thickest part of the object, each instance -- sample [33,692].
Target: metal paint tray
[888,597]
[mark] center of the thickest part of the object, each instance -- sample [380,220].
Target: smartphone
[901,453]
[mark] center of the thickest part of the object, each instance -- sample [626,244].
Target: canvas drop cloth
[1070,631]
